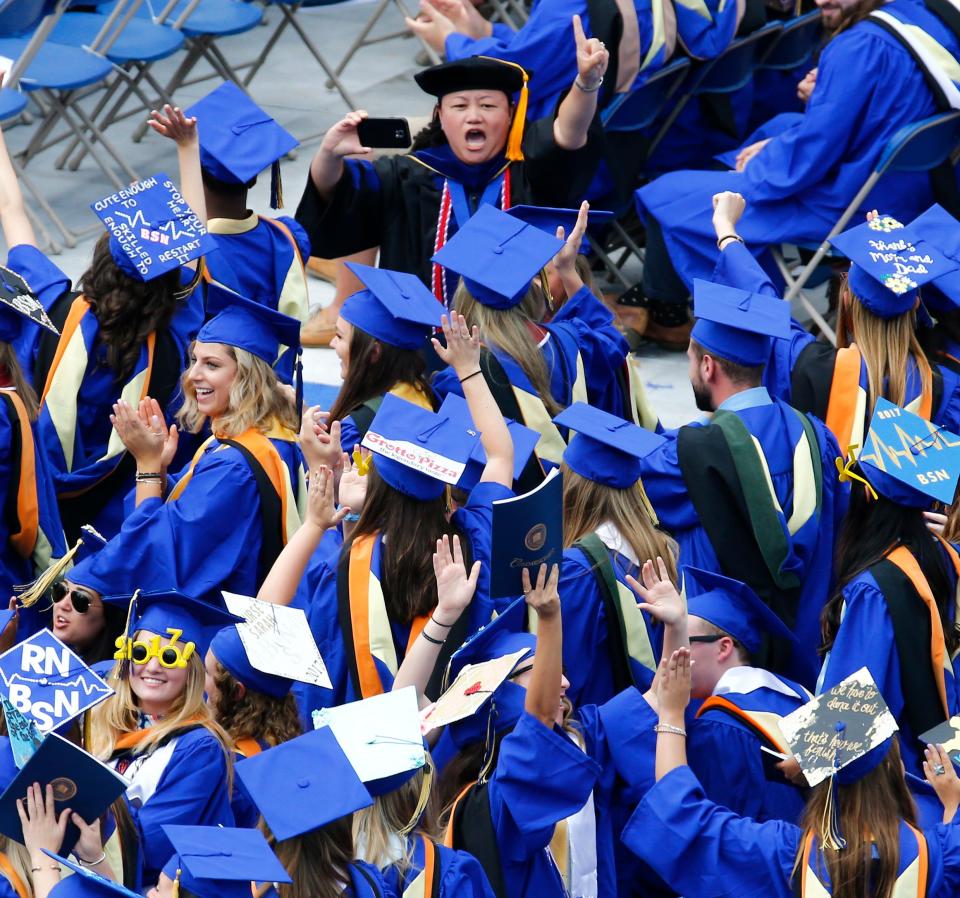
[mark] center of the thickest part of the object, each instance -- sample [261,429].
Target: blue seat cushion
[57,66]
[140,41]
[218,18]
[11,103]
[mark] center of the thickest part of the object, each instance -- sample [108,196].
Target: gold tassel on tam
[425,786]
[30,593]
[515,137]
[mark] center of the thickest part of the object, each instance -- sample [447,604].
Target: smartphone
[385,133]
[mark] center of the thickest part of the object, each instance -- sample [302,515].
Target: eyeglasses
[81,601]
[714,637]
[140,652]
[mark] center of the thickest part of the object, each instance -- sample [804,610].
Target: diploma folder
[946,734]
[527,532]
[79,780]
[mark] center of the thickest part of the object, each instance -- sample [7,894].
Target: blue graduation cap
[504,635]
[497,256]
[606,449]
[524,442]
[909,460]
[230,652]
[152,229]
[889,263]
[737,325]
[85,883]
[221,862]
[733,607]
[303,784]
[942,230]
[548,219]
[418,451]
[161,611]
[91,542]
[238,140]
[396,308]
[18,305]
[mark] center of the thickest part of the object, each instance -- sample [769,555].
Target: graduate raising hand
[547,687]
[578,107]
[565,261]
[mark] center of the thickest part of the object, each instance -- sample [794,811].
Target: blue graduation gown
[205,541]
[586,647]
[524,813]
[705,851]
[191,790]
[544,45]
[724,753]
[799,184]
[866,639]
[460,873]
[255,258]
[317,595]
[737,267]
[583,325]
[774,425]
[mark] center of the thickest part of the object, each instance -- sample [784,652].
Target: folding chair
[796,43]
[631,112]
[726,73]
[133,45]
[288,10]
[919,147]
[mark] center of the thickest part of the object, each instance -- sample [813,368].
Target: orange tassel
[515,137]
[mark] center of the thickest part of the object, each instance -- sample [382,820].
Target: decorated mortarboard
[606,449]
[889,262]
[497,256]
[238,140]
[845,731]
[271,649]
[17,305]
[524,442]
[737,325]
[91,542]
[23,739]
[946,734]
[481,699]
[733,607]
[221,862]
[395,308]
[303,784]
[909,460]
[548,219]
[152,229]
[189,624]
[418,451]
[85,883]
[482,73]
[381,737]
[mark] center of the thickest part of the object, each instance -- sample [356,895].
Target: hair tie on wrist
[475,373]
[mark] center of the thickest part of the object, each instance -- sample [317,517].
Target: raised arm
[172,123]
[341,140]
[17,230]
[454,592]
[578,108]
[673,696]
[462,353]
[543,693]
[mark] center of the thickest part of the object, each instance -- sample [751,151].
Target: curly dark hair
[127,310]
[248,714]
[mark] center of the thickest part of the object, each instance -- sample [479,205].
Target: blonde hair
[509,331]
[120,714]
[19,858]
[886,345]
[256,400]
[376,826]
[588,504]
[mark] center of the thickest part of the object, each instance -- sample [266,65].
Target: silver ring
[939,769]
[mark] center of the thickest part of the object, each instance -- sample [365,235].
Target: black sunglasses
[80,600]
[715,637]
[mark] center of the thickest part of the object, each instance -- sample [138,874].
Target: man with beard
[754,494]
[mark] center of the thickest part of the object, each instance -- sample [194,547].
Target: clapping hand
[320,444]
[322,510]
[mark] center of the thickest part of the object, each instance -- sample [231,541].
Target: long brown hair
[11,371]
[588,504]
[373,369]
[512,332]
[248,714]
[318,861]
[411,528]
[857,13]
[886,345]
[127,310]
[256,399]
[870,813]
